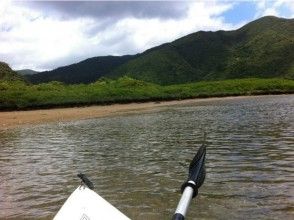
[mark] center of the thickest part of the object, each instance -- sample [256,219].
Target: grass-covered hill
[86,71]
[263,48]
[7,74]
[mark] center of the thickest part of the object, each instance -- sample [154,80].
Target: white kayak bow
[85,204]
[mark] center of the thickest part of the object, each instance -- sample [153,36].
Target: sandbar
[13,119]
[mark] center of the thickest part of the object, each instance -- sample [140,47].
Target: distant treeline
[19,95]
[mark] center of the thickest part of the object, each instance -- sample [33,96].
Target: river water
[139,161]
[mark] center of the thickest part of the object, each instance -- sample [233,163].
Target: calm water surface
[138,161]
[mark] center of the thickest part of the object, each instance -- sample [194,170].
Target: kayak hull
[85,204]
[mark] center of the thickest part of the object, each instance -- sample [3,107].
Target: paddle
[190,187]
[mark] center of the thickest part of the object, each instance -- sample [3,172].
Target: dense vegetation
[7,74]
[263,49]
[20,95]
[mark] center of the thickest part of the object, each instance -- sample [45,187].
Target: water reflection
[138,162]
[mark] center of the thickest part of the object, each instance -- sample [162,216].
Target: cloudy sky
[43,35]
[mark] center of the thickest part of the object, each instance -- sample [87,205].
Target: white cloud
[28,38]
[274,7]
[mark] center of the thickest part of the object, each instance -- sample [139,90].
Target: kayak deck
[85,204]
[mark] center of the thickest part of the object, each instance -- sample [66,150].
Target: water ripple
[138,162]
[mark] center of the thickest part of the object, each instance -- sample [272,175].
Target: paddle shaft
[184,203]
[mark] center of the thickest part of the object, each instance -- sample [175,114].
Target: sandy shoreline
[15,119]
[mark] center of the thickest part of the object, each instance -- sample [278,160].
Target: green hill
[86,71]
[261,49]
[7,74]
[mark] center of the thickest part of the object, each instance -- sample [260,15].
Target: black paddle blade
[197,167]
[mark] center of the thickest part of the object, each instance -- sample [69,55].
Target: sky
[43,35]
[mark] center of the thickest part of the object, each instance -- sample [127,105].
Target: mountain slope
[263,48]
[85,71]
[7,74]
[27,72]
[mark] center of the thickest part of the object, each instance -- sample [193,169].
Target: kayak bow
[85,204]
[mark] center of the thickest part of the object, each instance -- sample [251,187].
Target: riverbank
[18,95]
[16,119]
